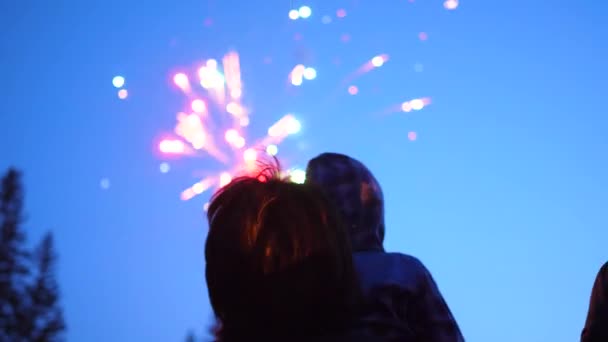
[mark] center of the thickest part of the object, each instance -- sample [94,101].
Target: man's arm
[596,325]
[431,317]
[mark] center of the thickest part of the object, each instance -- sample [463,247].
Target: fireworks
[215,98]
[450,4]
[412,136]
[303,12]
[119,82]
[378,61]
[415,104]
[300,73]
[213,124]
[122,94]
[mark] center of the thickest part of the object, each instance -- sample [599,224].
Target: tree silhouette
[13,257]
[29,296]
[46,313]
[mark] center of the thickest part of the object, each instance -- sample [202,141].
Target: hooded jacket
[403,301]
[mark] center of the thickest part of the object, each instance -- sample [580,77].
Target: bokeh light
[236,93]
[198,141]
[378,61]
[231,136]
[341,13]
[239,142]
[172,146]
[297,176]
[250,155]
[297,75]
[450,4]
[123,94]
[412,136]
[210,78]
[310,73]
[353,90]
[164,167]
[211,63]
[417,104]
[235,109]
[118,81]
[305,12]
[423,36]
[294,14]
[181,80]
[272,150]
[293,126]
[198,106]
[225,179]
[198,188]
[104,183]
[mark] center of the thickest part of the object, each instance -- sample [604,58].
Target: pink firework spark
[218,85]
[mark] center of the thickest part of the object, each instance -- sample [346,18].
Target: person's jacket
[403,302]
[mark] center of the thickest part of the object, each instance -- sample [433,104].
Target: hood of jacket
[357,195]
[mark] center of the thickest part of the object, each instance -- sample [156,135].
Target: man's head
[278,259]
[355,192]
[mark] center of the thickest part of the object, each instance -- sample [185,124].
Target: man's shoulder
[391,267]
[395,257]
[407,258]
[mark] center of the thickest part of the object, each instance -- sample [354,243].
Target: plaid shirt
[403,302]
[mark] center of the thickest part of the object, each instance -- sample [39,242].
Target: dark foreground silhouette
[29,293]
[403,302]
[279,264]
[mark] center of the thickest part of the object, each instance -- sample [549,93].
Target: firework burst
[214,96]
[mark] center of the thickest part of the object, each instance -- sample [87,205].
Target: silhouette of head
[350,185]
[279,262]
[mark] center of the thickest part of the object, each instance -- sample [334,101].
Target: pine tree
[13,258]
[29,300]
[46,314]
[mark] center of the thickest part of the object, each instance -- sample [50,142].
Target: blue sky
[503,194]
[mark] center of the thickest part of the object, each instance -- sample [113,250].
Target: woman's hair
[279,262]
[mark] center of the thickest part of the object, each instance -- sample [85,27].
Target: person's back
[596,324]
[279,265]
[403,302]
